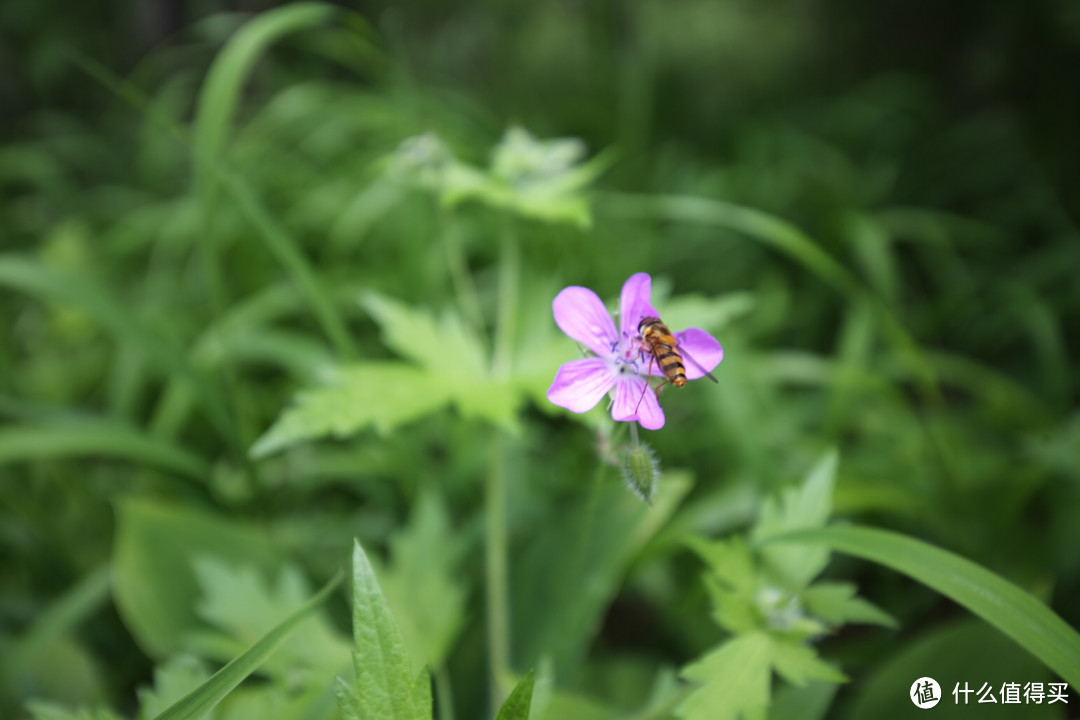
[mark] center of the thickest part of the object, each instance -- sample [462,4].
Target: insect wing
[690,359]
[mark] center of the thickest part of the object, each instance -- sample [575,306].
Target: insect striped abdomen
[658,338]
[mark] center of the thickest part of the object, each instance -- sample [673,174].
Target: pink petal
[701,352]
[580,314]
[635,303]
[634,400]
[580,384]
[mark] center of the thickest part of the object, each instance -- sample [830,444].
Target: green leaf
[1005,606]
[731,583]
[810,702]
[573,565]
[540,179]
[797,663]
[733,679]
[46,710]
[50,285]
[806,506]
[729,560]
[220,95]
[836,604]
[154,583]
[172,681]
[381,396]
[963,650]
[733,609]
[236,600]
[385,687]
[202,699]
[426,554]
[517,705]
[451,353]
[19,443]
[222,91]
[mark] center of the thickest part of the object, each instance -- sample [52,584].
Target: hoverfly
[662,346]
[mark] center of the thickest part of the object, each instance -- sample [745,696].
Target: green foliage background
[275,279]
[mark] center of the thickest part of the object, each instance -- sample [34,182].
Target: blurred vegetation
[253,288]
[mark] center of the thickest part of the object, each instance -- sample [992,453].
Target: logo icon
[925,693]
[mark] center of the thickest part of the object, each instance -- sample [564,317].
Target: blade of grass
[203,698]
[282,245]
[1019,615]
[46,284]
[64,614]
[22,443]
[218,100]
[221,93]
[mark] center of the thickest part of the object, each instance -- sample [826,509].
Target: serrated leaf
[807,506]
[540,179]
[236,600]
[385,687]
[426,555]
[378,395]
[202,699]
[729,560]
[452,355]
[154,583]
[517,705]
[1016,613]
[836,603]
[733,610]
[348,703]
[797,663]
[172,681]
[733,679]
[445,347]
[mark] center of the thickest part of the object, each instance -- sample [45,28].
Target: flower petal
[635,303]
[580,314]
[580,384]
[634,400]
[701,352]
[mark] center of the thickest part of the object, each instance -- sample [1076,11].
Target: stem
[498,586]
[497,575]
[444,694]
[506,314]
[458,267]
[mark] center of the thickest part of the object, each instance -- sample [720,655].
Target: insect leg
[645,389]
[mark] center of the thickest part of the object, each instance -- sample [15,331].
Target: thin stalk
[507,310]
[468,299]
[496,571]
[444,693]
[497,574]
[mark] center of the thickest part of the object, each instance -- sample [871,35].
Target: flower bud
[641,471]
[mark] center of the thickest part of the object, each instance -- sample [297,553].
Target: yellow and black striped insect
[663,347]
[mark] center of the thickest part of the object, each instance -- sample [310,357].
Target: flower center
[627,354]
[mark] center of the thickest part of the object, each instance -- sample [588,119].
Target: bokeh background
[874,206]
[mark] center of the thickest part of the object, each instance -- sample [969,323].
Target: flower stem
[444,694]
[507,310]
[462,281]
[496,570]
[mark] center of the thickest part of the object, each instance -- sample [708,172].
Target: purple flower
[620,361]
